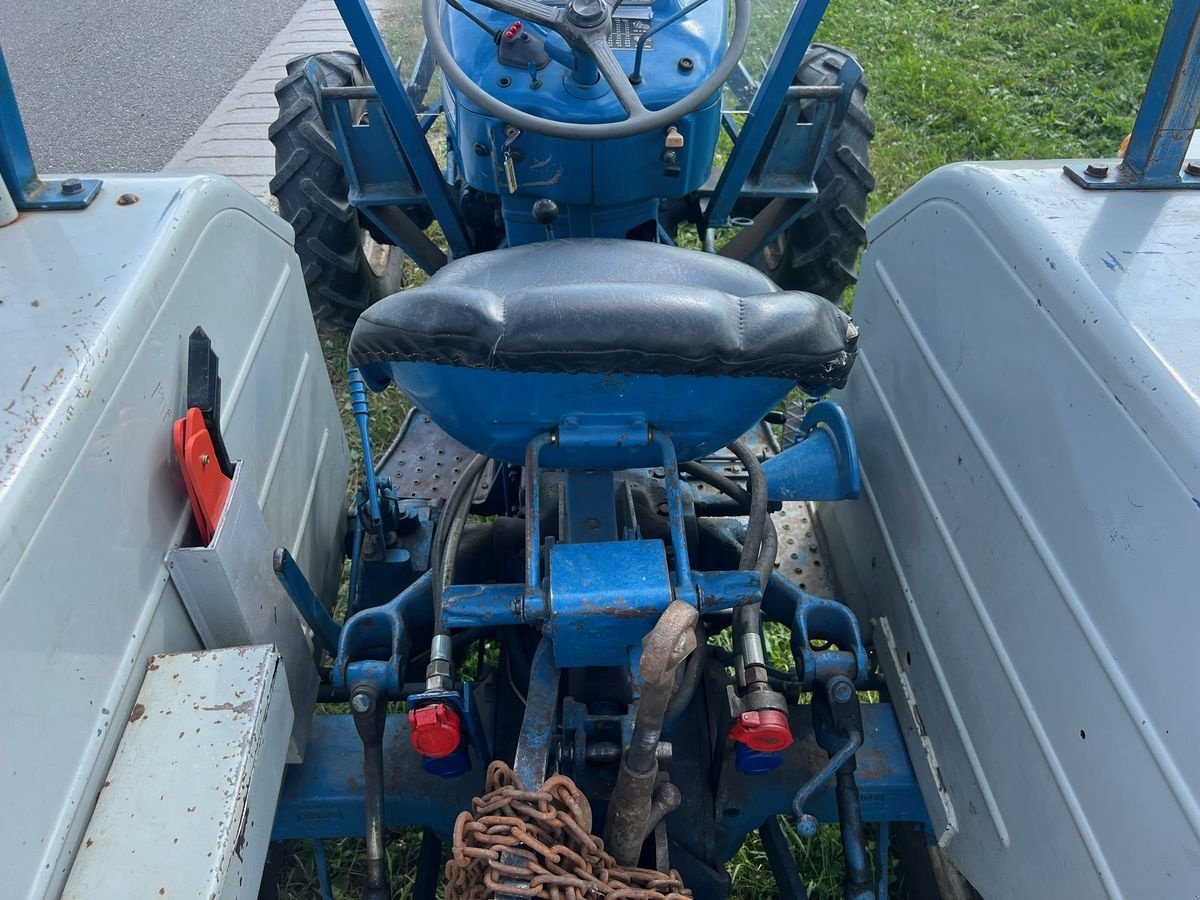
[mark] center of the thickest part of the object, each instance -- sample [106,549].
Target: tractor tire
[819,251]
[345,270]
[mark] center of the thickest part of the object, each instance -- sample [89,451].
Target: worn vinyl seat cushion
[609,306]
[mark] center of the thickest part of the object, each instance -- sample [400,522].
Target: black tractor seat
[609,306]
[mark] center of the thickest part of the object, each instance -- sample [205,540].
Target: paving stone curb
[232,141]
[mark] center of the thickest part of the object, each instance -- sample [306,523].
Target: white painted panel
[187,808]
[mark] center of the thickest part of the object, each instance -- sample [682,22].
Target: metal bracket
[1119,176]
[29,192]
[1166,120]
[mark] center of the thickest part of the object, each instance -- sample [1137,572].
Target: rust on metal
[540,844]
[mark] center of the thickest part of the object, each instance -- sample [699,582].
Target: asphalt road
[119,85]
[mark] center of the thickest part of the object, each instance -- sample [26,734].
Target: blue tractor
[585,381]
[589,642]
[573,121]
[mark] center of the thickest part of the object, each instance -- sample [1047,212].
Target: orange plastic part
[207,486]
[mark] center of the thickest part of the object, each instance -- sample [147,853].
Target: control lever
[670,157]
[370,717]
[545,211]
[837,725]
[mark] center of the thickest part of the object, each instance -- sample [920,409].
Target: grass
[950,80]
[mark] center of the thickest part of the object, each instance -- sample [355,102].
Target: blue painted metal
[883,862]
[323,796]
[806,823]
[322,865]
[398,108]
[362,416]
[605,188]
[822,464]
[374,643]
[453,765]
[699,413]
[491,605]
[1166,120]
[888,788]
[541,713]
[635,77]
[307,603]
[674,490]
[818,619]
[604,598]
[756,762]
[768,100]
[29,192]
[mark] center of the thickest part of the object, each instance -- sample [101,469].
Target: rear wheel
[345,269]
[819,251]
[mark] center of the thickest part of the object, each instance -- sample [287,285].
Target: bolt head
[1096,170]
[72,186]
[361,702]
[1192,169]
[686,64]
[843,691]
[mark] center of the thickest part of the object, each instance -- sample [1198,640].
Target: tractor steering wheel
[585,26]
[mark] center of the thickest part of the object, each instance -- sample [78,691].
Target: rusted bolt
[127,199]
[1192,169]
[361,702]
[72,186]
[1096,170]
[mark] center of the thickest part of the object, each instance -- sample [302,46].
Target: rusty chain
[542,840]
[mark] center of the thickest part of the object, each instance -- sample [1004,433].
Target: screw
[72,186]
[843,691]
[361,702]
[686,64]
[1192,169]
[1096,170]
[204,459]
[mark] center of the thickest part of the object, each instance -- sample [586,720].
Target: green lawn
[949,80]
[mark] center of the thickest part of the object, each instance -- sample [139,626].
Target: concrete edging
[232,141]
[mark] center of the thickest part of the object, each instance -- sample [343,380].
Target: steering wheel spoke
[529,10]
[611,71]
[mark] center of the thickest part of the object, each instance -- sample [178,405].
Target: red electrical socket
[765,730]
[436,730]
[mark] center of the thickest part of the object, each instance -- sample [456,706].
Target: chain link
[540,844]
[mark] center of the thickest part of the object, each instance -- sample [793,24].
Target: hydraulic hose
[449,533]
